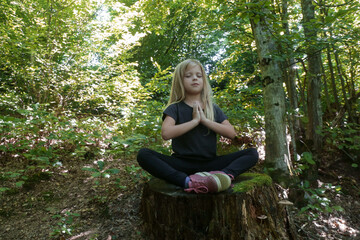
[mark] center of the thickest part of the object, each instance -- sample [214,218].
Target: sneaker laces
[199,189]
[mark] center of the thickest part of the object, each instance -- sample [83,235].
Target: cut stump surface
[249,210]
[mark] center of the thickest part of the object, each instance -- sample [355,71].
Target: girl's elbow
[232,136]
[165,136]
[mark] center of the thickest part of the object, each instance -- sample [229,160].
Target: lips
[195,84]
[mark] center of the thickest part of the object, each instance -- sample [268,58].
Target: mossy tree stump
[250,210]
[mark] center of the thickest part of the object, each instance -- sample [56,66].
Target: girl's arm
[225,128]
[169,130]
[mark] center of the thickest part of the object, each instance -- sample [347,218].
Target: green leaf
[307,156]
[19,184]
[303,209]
[101,165]
[113,171]
[43,159]
[90,169]
[306,184]
[96,174]
[256,18]
[354,165]
[4,189]
[338,208]
[14,175]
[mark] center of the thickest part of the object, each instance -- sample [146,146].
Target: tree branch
[337,5]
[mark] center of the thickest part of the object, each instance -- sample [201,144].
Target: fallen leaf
[285,202]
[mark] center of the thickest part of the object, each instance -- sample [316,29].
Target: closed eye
[190,75]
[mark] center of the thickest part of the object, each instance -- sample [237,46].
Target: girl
[192,121]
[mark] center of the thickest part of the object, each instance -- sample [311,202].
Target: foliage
[41,47]
[160,84]
[305,162]
[175,31]
[318,201]
[137,173]
[40,137]
[345,139]
[100,173]
[64,224]
[316,198]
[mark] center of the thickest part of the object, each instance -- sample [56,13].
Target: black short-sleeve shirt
[199,142]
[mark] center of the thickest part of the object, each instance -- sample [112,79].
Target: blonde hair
[177,93]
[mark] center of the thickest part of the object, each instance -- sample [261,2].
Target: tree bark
[324,11]
[332,75]
[251,210]
[277,152]
[343,87]
[314,75]
[326,89]
[290,80]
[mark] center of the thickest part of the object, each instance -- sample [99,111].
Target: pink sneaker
[221,172]
[204,182]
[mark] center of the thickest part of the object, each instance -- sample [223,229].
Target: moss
[247,181]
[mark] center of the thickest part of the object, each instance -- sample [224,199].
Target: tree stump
[249,210]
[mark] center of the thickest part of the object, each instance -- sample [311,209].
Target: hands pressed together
[224,129]
[198,113]
[170,130]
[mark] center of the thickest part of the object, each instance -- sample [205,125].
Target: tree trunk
[343,87]
[251,210]
[324,12]
[277,152]
[314,75]
[289,71]
[332,75]
[326,89]
[352,89]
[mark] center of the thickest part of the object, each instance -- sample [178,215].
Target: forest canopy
[115,59]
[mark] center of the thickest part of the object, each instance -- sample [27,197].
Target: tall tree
[277,154]
[289,70]
[313,74]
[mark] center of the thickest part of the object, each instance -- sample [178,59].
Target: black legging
[175,170]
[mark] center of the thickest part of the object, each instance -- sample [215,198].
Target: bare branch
[335,5]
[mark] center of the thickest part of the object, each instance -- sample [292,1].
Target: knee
[255,155]
[142,155]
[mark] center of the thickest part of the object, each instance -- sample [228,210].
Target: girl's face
[193,79]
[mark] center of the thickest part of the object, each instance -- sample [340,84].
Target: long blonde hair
[177,93]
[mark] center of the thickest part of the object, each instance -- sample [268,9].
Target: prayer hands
[198,113]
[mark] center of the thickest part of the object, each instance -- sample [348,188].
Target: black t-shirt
[199,142]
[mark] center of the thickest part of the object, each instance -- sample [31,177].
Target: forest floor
[67,203]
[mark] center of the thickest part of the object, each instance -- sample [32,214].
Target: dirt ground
[344,224]
[67,203]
